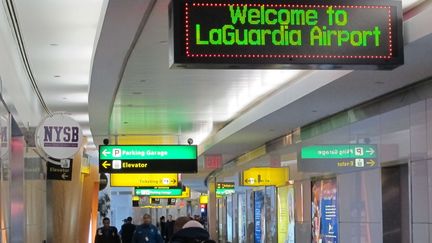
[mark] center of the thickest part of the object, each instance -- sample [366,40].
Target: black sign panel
[225,185]
[154,200]
[281,34]
[56,172]
[172,201]
[149,166]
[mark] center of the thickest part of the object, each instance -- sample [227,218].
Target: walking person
[169,228]
[127,231]
[163,227]
[146,232]
[107,233]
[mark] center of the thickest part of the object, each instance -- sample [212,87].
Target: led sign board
[277,34]
[144,180]
[338,158]
[148,158]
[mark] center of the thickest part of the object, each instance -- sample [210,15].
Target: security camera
[106,141]
[190,141]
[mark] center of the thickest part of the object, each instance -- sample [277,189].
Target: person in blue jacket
[147,233]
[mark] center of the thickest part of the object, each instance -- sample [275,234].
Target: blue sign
[324,211]
[259,217]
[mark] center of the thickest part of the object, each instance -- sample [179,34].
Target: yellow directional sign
[265,177]
[185,194]
[203,199]
[144,180]
[371,162]
[106,164]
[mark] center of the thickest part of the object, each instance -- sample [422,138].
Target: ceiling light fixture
[57,76]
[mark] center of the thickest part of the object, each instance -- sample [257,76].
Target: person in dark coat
[127,231]
[147,233]
[192,232]
[169,228]
[107,233]
[163,227]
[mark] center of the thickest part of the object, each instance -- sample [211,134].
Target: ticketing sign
[148,159]
[144,180]
[280,34]
[338,158]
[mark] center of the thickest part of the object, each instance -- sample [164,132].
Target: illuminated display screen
[239,34]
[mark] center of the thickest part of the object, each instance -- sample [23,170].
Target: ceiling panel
[60,37]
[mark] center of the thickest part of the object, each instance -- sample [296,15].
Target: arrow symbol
[106,164]
[371,151]
[371,162]
[64,176]
[105,152]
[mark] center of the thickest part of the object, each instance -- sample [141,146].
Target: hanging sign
[338,158]
[59,136]
[275,34]
[264,176]
[143,180]
[148,159]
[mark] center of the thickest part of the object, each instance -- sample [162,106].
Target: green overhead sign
[338,151]
[224,191]
[148,159]
[158,192]
[225,188]
[148,152]
[338,158]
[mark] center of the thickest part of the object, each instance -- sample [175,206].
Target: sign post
[148,159]
[338,158]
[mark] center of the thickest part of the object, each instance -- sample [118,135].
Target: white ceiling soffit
[122,24]
[26,110]
[155,100]
[59,40]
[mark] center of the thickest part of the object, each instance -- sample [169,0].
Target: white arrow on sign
[64,176]
[105,152]
[371,151]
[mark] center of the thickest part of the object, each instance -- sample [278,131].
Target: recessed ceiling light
[57,76]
